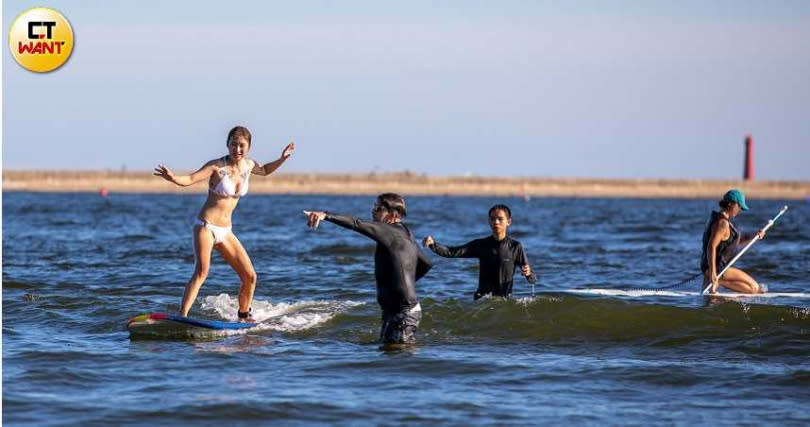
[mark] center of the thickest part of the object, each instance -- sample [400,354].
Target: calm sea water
[77,266]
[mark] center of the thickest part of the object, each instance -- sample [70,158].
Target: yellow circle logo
[41,39]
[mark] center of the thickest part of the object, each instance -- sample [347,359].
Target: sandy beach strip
[407,183]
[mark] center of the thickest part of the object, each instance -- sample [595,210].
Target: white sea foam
[525,301]
[280,316]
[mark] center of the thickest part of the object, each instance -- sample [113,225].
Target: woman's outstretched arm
[271,167]
[185,180]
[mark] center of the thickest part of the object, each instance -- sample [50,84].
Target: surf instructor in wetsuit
[228,178]
[721,241]
[498,255]
[398,264]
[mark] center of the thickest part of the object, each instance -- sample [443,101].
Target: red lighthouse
[748,168]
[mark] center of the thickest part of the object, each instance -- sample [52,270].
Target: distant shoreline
[409,184]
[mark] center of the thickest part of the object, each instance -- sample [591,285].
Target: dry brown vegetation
[409,184]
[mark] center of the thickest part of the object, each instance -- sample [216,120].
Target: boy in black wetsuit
[398,264]
[498,255]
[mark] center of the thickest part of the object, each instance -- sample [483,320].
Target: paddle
[754,240]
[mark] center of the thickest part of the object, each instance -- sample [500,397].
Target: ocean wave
[548,318]
[563,317]
[280,316]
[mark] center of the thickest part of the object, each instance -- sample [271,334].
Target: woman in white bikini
[228,178]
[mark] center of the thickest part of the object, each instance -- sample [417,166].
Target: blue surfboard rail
[210,324]
[199,323]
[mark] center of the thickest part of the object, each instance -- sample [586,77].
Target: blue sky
[572,89]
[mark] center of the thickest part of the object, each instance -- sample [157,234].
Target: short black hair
[393,202]
[500,208]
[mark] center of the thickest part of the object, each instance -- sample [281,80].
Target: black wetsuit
[496,260]
[726,250]
[398,264]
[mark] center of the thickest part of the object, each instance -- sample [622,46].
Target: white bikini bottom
[220,233]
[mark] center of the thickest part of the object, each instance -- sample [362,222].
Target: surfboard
[668,293]
[172,325]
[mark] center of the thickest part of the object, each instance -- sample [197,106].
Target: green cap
[737,197]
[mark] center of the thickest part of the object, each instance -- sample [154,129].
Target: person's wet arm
[748,238]
[373,230]
[522,261]
[423,264]
[720,233]
[467,250]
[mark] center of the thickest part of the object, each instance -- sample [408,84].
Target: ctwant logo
[41,39]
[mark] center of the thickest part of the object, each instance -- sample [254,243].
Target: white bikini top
[226,186]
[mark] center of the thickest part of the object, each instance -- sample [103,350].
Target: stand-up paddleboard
[770,223]
[669,293]
[172,325]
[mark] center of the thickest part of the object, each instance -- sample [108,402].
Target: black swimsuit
[497,261]
[725,250]
[398,264]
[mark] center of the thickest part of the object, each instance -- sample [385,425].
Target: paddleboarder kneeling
[498,255]
[398,264]
[721,242]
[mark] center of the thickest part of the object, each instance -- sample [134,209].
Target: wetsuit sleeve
[423,263]
[467,250]
[521,259]
[368,229]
